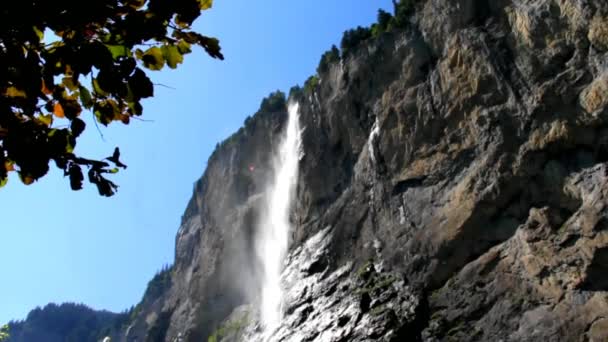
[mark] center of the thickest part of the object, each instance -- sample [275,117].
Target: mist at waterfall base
[274,228]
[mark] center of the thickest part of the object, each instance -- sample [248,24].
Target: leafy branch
[110,43]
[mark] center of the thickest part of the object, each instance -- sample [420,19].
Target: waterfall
[274,228]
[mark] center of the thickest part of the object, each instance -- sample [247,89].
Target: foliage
[384,20]
[353,38]
[331,56]
[275,102]
[296,91]
[231,327]
[67,322]
[403,11]
[4,333]
[159,284]
[365,270]
[311,83]
[93,61]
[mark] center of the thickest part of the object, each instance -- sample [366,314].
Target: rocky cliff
[453,187]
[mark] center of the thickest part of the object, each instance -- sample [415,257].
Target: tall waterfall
[274,228]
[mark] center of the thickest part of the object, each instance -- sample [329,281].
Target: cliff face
[453,187]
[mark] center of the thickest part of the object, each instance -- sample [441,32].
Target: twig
[140,119]
[97,126]
[166,86]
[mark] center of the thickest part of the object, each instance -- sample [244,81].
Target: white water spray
[274,229]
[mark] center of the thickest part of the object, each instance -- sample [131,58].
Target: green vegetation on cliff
[353,38]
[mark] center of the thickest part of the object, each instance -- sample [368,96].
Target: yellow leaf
[3,182]
[58,110]
[26,179]
[9,166]
[69,83]
[73,96]
[118,51]
[125,119]
[45,90]
[205,4]
[46,119]
[153,58]
[181,24]
[39,33]
[172,56]
[69,34]
[69,148]
[14,92]
[184,47]
[137,4]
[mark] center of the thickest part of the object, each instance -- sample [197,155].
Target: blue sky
[57,245]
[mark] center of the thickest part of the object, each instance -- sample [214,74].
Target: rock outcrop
[453,187]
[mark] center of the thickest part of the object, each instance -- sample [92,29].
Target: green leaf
[45,119]
[97,89]
[153,58]
[3,182]
[77,126]
[118,51]
[172,56]
[69,148]
[76,177]
[212,46]
[184,47]
[39,33]
[85,97]
[140,85]
[135,108]
[205,4]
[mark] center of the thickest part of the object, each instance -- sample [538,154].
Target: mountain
[66,322]
[452,187]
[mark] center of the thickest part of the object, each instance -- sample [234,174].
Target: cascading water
[275,227]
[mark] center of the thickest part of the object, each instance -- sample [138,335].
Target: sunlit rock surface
[340,305]
[453,188]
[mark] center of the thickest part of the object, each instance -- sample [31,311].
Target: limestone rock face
[453,187]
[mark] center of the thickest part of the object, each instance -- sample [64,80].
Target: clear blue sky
[57,245]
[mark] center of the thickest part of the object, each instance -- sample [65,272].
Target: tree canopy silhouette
[4,333]
[94,59]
